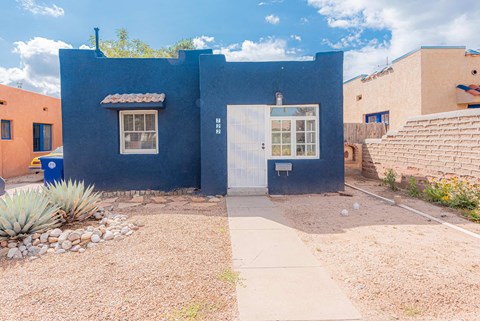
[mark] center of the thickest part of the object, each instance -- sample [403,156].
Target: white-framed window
[139,132]
[294,132]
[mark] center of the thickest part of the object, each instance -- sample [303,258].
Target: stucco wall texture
[23,108]
[423,82]
[438,145]
[198,87]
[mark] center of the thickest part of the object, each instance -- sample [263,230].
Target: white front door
[246,146]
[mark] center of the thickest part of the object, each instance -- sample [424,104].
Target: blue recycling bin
[52,169]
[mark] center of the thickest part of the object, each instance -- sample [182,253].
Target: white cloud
[203,42]
[41,9]
[263,3]
[39,66]
[272,19]
[304,20]
[352,40]
[264,50]
[296,37]
[410,23]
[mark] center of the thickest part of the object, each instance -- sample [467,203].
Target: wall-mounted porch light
[278,98]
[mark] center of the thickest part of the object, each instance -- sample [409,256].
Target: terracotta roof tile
[134,98]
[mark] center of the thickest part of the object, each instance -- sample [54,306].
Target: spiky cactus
[26,213]
[76,202]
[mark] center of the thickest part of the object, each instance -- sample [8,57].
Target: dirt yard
[175,267]
[393,264]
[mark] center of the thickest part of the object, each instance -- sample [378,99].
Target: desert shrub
[26,213]
[76,202]
[453,192]
[390,179]
[412,189]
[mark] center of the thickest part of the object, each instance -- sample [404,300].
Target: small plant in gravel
[192,312]
[26,213]
[76,202]
[230,277]
[412,189]
[390,179]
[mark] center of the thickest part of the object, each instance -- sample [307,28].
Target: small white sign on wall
[218,126]
[52,165]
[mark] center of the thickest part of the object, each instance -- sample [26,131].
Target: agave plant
[76,202]
[25,213]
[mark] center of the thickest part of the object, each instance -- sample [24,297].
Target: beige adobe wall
[437,145]
[24,108]
[398,92]
[442,71]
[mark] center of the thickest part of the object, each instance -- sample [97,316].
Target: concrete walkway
[280,278]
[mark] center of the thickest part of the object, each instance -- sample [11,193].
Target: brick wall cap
[450,114]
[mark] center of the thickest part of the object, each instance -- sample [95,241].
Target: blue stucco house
[200,121]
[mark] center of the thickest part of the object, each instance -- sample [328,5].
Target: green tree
[124,47]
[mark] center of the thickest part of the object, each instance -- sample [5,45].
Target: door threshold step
[247,191]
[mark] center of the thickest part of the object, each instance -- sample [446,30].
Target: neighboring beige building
[421,82]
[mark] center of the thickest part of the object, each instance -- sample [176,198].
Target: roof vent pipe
[97,46]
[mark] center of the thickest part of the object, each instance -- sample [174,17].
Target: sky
[368,31]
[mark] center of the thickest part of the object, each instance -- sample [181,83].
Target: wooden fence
[356,133]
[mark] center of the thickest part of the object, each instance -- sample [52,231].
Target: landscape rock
[43,250]
[60,251]
[95,238]
[81,250]
[56,232]
[214,200]
[75,248]
[3,243]
[125,230]
[66,245]
[63,236]
[36,242]
[44,237]
[27,240]
[52,239]
[12,252]
[197,199]
[90,245]
[22,248]
[86,236]
[74,236]
[127,205]
[108,235]
[35,236]
[11,245]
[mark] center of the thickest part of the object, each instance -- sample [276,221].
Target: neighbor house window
[138,132]
[383,117]
[294,132]
[6,129]
[42,137]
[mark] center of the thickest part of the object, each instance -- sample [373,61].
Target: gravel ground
[170,269]
[393,264]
